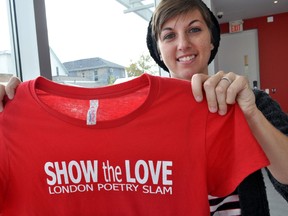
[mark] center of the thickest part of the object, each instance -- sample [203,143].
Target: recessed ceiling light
[275,2]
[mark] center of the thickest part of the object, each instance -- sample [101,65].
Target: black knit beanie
[152,45]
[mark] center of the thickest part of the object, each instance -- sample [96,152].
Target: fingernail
[222,112]
[199,98]
[213,109]
[10,96]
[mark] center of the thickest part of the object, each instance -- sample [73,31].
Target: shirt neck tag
[92,112]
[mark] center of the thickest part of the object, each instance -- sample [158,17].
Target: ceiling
[232,9]
[246,9]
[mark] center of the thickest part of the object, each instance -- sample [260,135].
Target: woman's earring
[212,46]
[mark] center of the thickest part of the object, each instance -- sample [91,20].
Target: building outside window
[49,35]
[94,40]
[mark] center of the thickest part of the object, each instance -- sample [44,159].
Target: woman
[183,38]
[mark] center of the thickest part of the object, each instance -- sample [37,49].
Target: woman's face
[185,45]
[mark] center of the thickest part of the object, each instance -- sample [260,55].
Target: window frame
[29,36]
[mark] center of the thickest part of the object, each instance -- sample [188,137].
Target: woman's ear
[159,53]
[212,46]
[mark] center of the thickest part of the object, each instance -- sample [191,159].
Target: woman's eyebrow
[193,21]
[166,29]
[169,28]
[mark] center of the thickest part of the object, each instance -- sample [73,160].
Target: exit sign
[236,26]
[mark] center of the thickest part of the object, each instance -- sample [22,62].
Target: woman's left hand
[222,89]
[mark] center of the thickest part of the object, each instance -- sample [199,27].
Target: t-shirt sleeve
[3,168]
[232,151]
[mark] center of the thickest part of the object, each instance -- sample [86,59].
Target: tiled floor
[278,205]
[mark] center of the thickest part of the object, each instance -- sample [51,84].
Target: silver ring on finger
[226,79]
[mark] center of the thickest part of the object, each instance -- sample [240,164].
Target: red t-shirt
[143,147]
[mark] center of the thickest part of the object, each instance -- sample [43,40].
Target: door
[238,52]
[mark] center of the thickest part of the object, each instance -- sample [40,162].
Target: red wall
[273,54]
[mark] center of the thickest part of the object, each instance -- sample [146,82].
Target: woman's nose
[183,42]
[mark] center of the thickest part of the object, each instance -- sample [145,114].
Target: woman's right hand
[8,90]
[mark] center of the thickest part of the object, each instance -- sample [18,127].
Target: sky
[4,28]
[80,29]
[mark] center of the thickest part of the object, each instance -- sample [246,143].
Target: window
[7,64]
[95,75]
[101,32]
[89,35]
